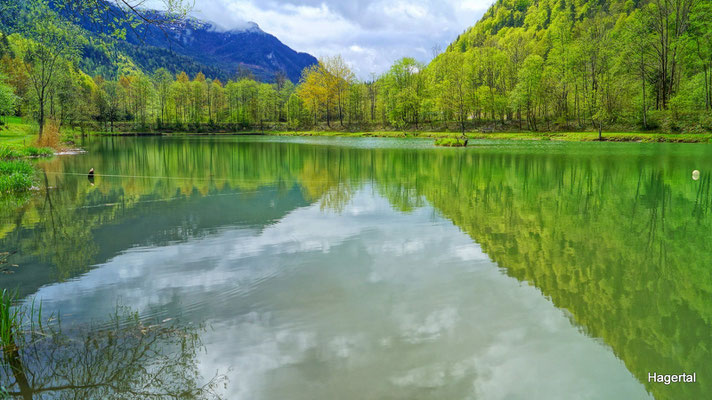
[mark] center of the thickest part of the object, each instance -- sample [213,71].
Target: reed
[10,317]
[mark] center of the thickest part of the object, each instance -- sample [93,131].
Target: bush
[50,136]
[451,142]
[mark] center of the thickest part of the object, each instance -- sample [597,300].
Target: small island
[451,142]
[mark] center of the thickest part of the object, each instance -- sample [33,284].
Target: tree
[699,43]
[114,17]
[670,20]
[109,106]
[313,92]
[599,83]
[528,89]
[180,92]
[637,53]
[451,78]
[337,78]
[162,81]
[7,98]
[216,101]
[51,45]
[403,85]
[559,60]
[123,358]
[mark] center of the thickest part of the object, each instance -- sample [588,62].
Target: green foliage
[528,65]
[9,317]
[15,176]
[8,153]
[15,183]
[451,142]
[13,167]
[33,151]
[7,98]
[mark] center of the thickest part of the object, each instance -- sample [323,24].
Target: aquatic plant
[13,316]
[15,176]
[15,167]
[9,152]
[9,318]
[33,151]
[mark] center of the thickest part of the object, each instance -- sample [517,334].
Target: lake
[323,268]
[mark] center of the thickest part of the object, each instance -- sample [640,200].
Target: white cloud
[367,303]
[369,34]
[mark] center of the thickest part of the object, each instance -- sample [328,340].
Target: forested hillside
[193,46]
[580,62]
[528,65]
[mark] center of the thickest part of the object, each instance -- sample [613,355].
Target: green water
[327,268]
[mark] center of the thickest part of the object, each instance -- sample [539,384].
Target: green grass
[17,133]
[15,167]
[450,142]
[16,137]
[9,318]
[15,176]
[8,153]
[647,137]
[16,319]
[558,136]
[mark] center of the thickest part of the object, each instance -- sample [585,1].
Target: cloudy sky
[369,34]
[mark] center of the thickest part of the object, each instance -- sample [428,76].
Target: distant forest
[540,65]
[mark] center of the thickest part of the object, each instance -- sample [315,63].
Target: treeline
[527,65]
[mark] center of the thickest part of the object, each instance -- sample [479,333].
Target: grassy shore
[16,133]
[643,137]
[560,136]
[16,174]
[17,138]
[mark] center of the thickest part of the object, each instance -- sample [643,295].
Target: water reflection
[320,263]
[120,358]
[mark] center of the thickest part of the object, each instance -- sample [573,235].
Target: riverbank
[534,136]
[17,140]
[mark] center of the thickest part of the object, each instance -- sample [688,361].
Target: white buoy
[695,175]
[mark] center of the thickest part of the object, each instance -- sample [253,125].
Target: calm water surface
[368,269]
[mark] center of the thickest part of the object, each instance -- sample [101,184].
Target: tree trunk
[600,130]
[12,356]
[42,117]
[645,106]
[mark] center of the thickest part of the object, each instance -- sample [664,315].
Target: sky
[369,34]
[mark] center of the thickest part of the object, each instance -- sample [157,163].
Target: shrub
[451,142]
[50,136]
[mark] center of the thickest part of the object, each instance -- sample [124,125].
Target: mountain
[190,45]
[223,52]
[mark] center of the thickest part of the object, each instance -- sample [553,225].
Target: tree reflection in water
[123,358]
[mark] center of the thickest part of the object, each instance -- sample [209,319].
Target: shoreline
[631,137]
